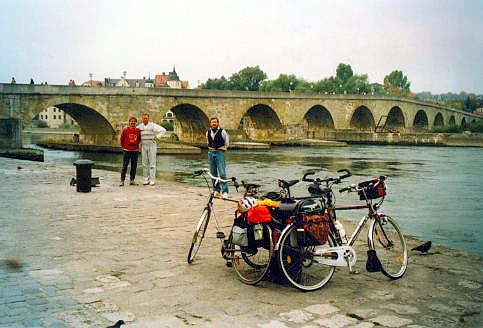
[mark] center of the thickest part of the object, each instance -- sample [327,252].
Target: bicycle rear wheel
[199,234]
[390,246]
[252,264]
[299,262]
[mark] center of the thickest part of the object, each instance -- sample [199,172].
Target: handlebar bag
[373,189]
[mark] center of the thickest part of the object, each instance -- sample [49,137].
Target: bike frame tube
[357,230]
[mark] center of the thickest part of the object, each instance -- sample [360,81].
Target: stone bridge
[102,112]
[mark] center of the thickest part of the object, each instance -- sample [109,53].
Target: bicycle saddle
[287,183]
[250,185]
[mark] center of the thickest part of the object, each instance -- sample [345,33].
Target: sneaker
[121,184]
[224,195]
[133,183]
[145,183]
[152,183]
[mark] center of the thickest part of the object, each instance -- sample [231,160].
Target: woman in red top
[130,139]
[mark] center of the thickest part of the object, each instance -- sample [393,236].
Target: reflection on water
[434,192]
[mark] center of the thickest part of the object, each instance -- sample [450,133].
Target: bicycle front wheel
[390,246]
[252,263]
[199,234]
[299,263]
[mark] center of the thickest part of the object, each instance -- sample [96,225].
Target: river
[434,192]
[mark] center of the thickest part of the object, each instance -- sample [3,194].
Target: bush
[167,125]
[476,126]
[42,124]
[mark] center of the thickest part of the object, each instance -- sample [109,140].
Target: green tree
[343,73]
[219,84]
[397,83]
[283,83]
[248,79]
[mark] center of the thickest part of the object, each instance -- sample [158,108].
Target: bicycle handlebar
[206,171]
[335,180]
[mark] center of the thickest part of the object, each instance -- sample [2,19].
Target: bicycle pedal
[220,235]
[229,264]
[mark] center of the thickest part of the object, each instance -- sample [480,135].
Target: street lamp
[90,79]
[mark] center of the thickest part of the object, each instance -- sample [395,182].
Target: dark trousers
[133,157]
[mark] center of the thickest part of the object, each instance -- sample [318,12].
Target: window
[46,117]
[54,117]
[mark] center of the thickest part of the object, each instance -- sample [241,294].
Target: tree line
[344,82]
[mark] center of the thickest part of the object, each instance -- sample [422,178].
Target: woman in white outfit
[151,133]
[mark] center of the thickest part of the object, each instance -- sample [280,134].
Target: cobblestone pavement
[71,259]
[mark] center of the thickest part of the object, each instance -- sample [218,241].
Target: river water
[434,192]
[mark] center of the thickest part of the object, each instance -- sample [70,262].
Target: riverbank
[89,259]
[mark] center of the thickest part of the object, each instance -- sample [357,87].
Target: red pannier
[259,214]
[374,188]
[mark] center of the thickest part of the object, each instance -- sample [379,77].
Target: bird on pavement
[423,248]
[117,324]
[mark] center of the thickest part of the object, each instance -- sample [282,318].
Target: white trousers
[148,153]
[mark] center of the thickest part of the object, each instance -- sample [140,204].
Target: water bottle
[338,225]
[258,231]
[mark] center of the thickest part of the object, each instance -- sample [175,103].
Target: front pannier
[317,228]
[373,189]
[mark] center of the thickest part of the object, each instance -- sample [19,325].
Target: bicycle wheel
[390,246]
[299,263]
[199,234]
[252,264]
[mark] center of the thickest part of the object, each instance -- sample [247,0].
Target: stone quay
[70,259]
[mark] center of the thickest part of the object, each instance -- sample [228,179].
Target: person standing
[130,139]
[218,140]
[151,133]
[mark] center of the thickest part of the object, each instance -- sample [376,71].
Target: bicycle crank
[336,256]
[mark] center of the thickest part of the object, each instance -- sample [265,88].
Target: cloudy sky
[437,44]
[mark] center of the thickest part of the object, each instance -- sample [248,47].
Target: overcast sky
[437,44]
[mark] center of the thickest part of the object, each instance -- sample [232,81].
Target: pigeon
[73,181]
[117,324]
[423,248]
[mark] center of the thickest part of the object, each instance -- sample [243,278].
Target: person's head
[133,121]
[145,118]
[214,123]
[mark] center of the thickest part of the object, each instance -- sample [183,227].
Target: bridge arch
[420,120]
[464,124]
[362,119]
[318,121]
[90,121]
[190,124]
[261,122]
[452,121]
[395,119]
[438,120]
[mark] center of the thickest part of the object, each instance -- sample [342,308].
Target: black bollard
[83,174]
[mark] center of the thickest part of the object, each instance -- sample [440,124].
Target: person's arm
[226,138]
[159,130]
[121,138]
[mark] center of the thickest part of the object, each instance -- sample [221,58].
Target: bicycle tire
[390,246]
[298,262]
[199,234]
[251,267]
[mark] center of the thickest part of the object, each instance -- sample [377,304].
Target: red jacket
[130,138]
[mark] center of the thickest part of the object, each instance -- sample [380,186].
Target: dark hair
[214,118]
[133,118]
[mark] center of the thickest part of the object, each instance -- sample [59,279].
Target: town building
[129,83]
[55,118]
[170,80]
